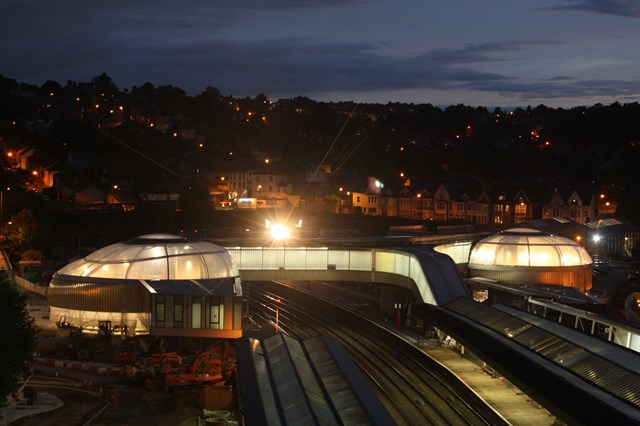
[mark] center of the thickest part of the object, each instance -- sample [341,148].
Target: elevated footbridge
[576,378]
[433,277]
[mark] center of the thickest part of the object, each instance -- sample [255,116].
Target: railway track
[414,388]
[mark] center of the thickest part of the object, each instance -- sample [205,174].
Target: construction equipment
[167,362]
[211,366]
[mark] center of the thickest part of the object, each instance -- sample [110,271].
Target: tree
[23,232]
[17,336]
[105,84]
[32,254]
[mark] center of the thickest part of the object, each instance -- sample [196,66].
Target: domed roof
[528,247]
[155,257]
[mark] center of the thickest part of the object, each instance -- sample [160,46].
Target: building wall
[578,277]
[186,316]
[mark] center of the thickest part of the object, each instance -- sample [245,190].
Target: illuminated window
[196,312]
[216,313]
[160,311]
[177,312]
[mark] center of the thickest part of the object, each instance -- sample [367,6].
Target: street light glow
[280,232]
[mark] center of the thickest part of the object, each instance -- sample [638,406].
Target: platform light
[280,232]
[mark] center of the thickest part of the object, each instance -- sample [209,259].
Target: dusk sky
[560,53]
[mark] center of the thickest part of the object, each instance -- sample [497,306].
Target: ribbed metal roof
[613,378]
[305,383]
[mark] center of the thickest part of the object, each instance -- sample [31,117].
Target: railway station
[190,293]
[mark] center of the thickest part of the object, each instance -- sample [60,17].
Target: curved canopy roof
[528,247]
[155,257]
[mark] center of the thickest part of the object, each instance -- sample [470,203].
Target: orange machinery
[211,366]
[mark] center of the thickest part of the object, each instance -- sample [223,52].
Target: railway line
[414,388]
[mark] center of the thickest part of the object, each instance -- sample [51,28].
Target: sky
[508,53]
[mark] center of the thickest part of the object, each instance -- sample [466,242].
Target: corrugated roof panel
[532,337]
[271,409]
[310,383]
[347,406]
[290,393]
[315,396]
[611,377]
[556,348]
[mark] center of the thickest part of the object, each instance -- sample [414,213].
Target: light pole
[277,313]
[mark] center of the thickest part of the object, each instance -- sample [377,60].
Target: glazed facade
[153,284]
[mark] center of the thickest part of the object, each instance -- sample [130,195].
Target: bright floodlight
[596,238]
[280,232]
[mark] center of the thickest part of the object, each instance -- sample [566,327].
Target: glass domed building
[528,256]
[152,284]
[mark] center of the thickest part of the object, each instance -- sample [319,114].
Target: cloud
[545,90]
[231,45]
[626,8]
[300,65]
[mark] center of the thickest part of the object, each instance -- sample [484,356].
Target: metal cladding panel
[417,274]
[579,277]
[443,276]
[100,295]
[201,287]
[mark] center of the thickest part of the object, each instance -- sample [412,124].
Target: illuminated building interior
[158,281]
[527,256]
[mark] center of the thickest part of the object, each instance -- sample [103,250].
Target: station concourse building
[156,284]
[528,256]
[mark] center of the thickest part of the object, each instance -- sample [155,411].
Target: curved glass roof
[528,247]
[155,257]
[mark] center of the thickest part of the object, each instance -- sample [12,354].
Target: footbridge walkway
[432,276]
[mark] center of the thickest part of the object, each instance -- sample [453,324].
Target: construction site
[113,378]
